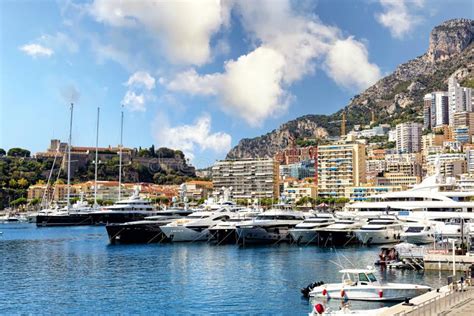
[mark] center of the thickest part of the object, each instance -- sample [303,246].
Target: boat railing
[458,295]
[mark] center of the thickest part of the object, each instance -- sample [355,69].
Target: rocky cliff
[395,98]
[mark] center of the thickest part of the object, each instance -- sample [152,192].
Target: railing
[442,302]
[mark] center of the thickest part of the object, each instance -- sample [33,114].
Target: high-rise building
[249,178]
[408,137]
[435,109]
[463,127]
[339,166]
[460,99]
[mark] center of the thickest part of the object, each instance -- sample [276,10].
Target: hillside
[395,98]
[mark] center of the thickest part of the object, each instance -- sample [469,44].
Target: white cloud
[189,138]
[142,78]
[184,28]
[255,86]
[37,50]
[134,102]
[139,86]
[399,16]
[347,64]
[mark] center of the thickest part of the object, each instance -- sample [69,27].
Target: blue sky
[196,76]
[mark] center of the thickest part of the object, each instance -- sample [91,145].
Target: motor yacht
[272,226]
[307,231]
[380,230]
[341,232]
[144,231]
[361,284]
[420,232]
[195,227]
[225,232]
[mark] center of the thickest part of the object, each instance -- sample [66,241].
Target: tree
[2,152]
[19,201]
[12,183]
[22,183]
[18,152]
[35,201]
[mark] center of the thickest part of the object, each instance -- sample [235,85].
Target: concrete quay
[445,262]
[450,300]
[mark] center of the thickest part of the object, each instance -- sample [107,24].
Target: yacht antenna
[120,156]
[68,197]
[96,157]
[45,201]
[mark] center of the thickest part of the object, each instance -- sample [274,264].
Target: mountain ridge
[395,98]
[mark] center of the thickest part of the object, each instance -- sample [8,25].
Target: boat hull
[418,239]
[304,236]
[369,293]
[185,234]
[224,236]
[84,219]
[337,238]
[135,233]
[260,235]
[378,237]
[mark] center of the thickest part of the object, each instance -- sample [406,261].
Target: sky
[195,75]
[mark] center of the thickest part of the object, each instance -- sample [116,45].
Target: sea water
[74,270]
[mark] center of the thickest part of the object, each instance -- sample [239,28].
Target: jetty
[454,299]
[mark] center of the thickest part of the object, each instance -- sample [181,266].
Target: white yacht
[226,231]
[361,284]
[381,230]
[341,232]
[434,195]
[272,226]
[195,227]
[307,231]
[419,232]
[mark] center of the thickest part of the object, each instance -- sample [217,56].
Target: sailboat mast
[120,157]
[96,156]
[68,197]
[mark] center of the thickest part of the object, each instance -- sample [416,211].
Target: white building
[408,137]
[436,109]
[460,99]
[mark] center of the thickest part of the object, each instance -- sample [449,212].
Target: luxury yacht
[341,233]
[307,231]
[144,231]
[381,230]
[420,232]
[434,195]
[225,232]
[195,227]
[272,226]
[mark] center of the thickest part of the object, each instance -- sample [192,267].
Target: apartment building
[408,137]
[339,166]
[249,178]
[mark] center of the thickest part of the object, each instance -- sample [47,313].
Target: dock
[445,262]
[449,300]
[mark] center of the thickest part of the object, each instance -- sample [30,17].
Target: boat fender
[325,292]
[343,293]
[380,293]
[319,308]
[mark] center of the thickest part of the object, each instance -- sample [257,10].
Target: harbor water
[74,270]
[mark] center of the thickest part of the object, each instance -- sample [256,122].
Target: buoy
[380,293]
[343,293]
[319,308]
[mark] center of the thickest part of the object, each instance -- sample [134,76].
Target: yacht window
[363,277]
[414,229]
[371,277]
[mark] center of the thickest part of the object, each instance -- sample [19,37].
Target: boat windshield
[414,229]
[371,277]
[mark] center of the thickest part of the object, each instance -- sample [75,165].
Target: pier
[445,262]
[454,299]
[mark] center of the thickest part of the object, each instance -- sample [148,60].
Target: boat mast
[120,157]
[69,161]
[96,157]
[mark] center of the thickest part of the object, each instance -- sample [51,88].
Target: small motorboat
[362,285]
